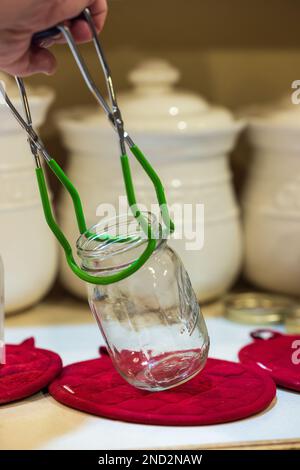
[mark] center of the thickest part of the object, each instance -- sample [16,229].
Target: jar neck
[108,249]
[116,263]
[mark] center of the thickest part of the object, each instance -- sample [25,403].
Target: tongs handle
[40,36]
[47,34]
[113,113]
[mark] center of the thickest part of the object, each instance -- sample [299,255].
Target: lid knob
[154,74]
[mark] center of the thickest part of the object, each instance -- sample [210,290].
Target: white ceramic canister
[28,248]
[271,199]
[187,142]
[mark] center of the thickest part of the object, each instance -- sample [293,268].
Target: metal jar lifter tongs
[114,115]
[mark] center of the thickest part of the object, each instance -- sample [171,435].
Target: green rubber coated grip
[99,280]
[159,189]
[58,171]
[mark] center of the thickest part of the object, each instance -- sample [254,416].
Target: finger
[37,60]
[99,12]
[81,31]
[80,28]
[68,9]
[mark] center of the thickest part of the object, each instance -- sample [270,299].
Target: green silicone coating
[57,170]
[151,245]
[146,227]
[101,280]
[160,192]
[129,184]
[48,212]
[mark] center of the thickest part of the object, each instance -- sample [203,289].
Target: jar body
[272,211]
[152,323]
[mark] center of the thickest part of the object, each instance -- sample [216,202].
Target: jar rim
[113,237]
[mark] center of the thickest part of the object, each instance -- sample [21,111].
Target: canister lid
[282,113]
[156,104]
[257,308]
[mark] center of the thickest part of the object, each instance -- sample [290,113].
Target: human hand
[20,20]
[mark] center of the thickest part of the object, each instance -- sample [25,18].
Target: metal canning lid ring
[257,308]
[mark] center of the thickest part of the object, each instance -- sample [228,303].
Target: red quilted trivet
[27,370]
[224,391]
[277,354]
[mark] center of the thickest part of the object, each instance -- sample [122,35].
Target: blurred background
[233,53]
[236,55]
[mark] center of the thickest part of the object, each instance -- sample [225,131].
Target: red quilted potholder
[224,391]
[27,370]
[277,354]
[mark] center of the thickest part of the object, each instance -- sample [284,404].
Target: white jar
[271,200]
[28,248]
[187,141]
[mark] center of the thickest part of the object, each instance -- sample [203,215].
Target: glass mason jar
[151,321]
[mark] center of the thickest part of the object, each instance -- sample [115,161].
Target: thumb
[35,60]
[40,60]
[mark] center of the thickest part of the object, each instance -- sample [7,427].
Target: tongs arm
[38,148]
[115,118]
[113,114]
